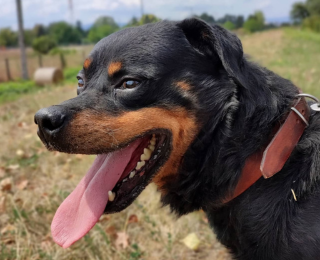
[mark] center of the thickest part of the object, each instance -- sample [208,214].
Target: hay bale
[44,76]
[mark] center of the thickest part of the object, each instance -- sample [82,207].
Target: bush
[97,33]
[229,25]
[313,23]
[8,38]
[252,25]
[43,44]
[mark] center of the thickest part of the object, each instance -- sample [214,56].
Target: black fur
[237,104]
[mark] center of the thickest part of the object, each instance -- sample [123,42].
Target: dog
[178,104]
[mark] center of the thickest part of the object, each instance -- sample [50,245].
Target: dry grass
[41,180]
[25,224]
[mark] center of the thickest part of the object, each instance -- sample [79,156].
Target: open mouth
[144,163]
[112,183]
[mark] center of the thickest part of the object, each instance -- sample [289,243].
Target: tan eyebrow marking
[114,67]
[184,85]
[87,63]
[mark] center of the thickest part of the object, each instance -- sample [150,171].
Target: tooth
[124,180]
[153,141]
[146,155]
[111,195]
[151,147]
[132,174]
[140,165]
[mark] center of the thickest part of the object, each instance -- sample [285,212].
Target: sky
[87,11]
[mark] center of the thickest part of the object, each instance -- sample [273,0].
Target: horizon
[50,11]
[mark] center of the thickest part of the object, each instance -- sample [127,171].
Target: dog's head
[145,97]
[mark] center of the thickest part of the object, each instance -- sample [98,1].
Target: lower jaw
[128,188]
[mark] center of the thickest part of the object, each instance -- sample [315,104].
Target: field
[74,58]
[34,181]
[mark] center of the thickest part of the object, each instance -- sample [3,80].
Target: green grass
[290,52]
[12,90]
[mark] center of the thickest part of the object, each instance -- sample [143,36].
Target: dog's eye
[130,84]
[80,82]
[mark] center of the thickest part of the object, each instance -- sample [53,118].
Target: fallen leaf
[23,125]
[2,204]
[28,136]
[2,172]
[122,240]
[13,167]
[6,184]
[112,232]
[19,153]
[8,240]
[192,241]
[133,219]
[7,228]
[22,184]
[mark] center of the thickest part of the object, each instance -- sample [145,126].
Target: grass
[48,177]
[12,90]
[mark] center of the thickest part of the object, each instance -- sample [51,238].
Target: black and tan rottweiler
[178,104]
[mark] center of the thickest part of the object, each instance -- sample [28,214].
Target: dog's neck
[228,139]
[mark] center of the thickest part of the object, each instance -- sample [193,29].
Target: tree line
[63,33]
[44,38]
[307,14]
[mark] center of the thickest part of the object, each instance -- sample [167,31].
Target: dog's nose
[50,119]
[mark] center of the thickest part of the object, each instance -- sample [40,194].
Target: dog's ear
[209,39]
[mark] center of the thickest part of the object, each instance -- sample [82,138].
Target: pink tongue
[81,210]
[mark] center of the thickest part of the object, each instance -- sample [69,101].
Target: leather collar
[268,162]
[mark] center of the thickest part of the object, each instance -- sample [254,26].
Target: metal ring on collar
[314,107]
[300,115]
[308,96]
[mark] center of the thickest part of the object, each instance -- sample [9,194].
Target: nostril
[52,123]
[50,119]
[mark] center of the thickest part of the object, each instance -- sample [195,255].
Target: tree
[64,33]
[8,38]
[255,22]
[43,44]
[39,30]
[97,33]
[299,12]
[313,23]
[207,18]
[313,7]
[145,19]
[79,28]
[105,20]
[148,18]
[61,53]
[28,37]
[239,21]
[236,20]
[229,25]
[133,22]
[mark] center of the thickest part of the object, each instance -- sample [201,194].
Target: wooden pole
[8,69]
[40,60]
[24,66]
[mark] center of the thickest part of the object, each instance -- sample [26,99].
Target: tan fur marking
[92,131]
[184,85]
[87,63]
[114,67]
